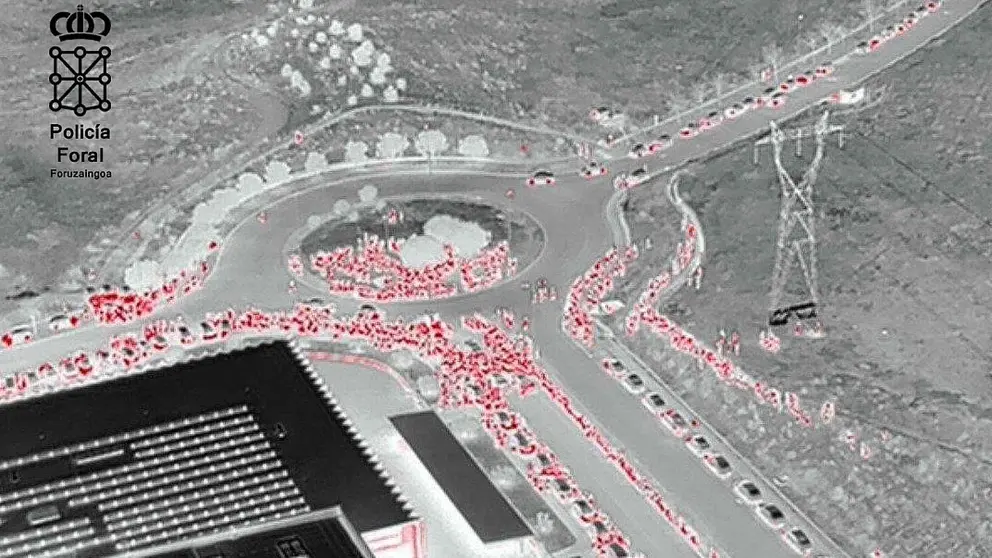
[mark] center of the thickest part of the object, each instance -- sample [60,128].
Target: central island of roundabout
[413,248]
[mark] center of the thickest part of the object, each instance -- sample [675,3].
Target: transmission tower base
[782,316]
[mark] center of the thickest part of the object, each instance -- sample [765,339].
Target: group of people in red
[374,271]
[465,377]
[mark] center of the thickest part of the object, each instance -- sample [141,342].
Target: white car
[541,178]
[748,492]
[771,515]
[798,541]
[61,322]
[734,111]
[592,169]
[653,402]
[626,181]
[688,131]
[663,142]
[634,384]
[20,334]
[698,445]
[675,422]
[719,465]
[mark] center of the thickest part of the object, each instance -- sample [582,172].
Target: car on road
[698,445]
[638,150]
[825,69]
[675,422]
[18,335]
[718,465]
[62,322]
[798,541]
[508,421]
[208,332]
[653,402]
[733,111]
[748,492]
[634,384]
[637,176]
[597,528]
[765,98]
[592,169]
[617,550]
[582,509]
[543,460]
[563,489]
[614,367]
[541,178]
[771,515]
[711,120]
[805,78]
[663,142]
[185,336]
[778,99]
[688,131]
[522,444]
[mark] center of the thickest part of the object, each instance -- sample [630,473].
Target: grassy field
[905,247]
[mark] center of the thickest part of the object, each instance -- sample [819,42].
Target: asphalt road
[252,271]
[614,495]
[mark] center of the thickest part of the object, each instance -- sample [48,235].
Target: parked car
[698,445]
[771,515]
[798,541]
[675,422]
[541,178]
[719,465]
[748,492]
[653,402]
[634,384]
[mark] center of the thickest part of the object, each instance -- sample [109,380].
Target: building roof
[322,534]
[485,509]
[213,444]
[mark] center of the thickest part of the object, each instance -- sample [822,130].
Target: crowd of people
[374,271]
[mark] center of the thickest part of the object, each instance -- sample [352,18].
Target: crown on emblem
[68,26]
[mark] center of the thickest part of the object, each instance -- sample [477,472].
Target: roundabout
[481,244]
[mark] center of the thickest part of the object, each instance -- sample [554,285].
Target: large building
[320,534]
[493,519]
[210,447]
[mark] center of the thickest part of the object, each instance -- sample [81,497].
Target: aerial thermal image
[511,279]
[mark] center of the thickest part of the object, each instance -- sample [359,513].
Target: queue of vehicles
[746,491]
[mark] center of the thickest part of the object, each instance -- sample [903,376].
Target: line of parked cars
[747,491]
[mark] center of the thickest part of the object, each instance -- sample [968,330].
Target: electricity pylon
[796,243]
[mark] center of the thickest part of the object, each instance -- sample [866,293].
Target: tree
[473,146]
[356,152]
[772,56]
[391,145]
[431,143]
